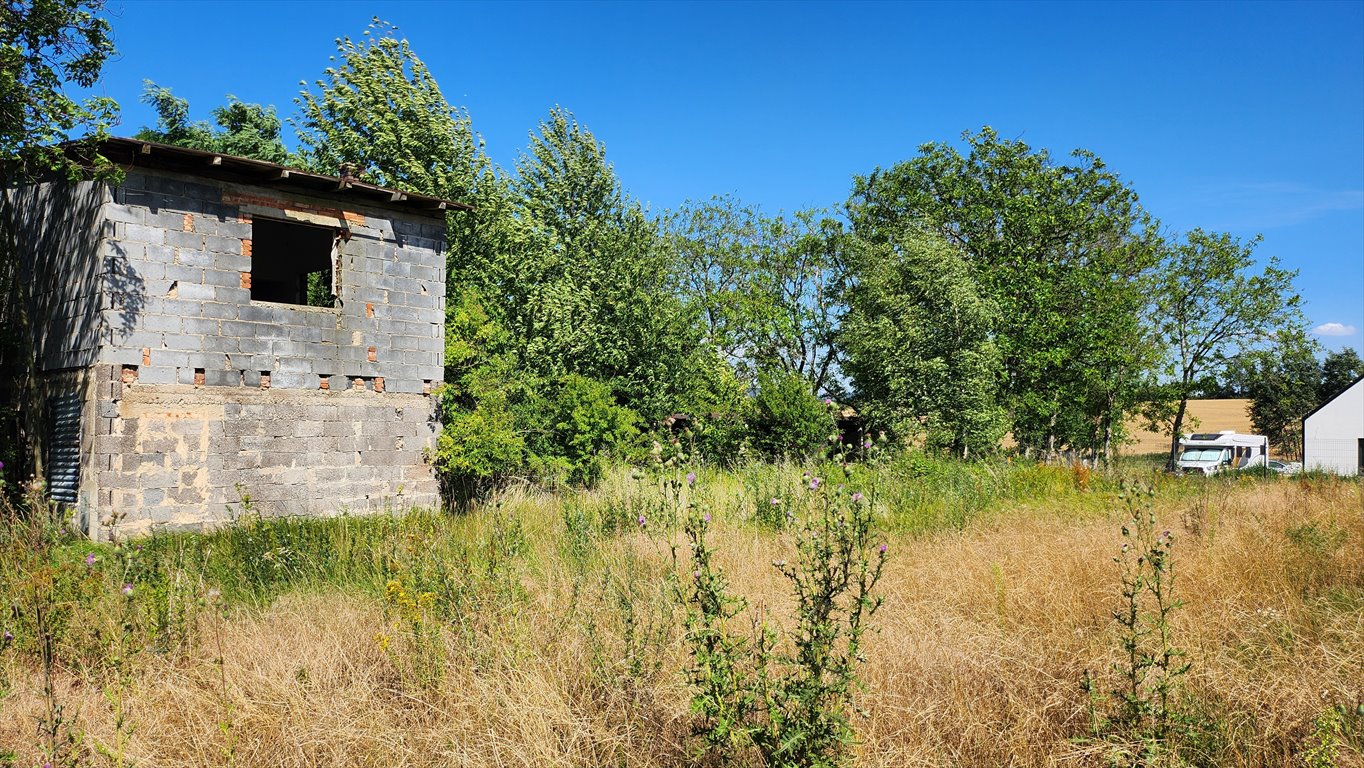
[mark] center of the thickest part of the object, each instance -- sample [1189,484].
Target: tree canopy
[46,45]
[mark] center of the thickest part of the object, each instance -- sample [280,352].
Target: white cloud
[1266,205]
[1334,329]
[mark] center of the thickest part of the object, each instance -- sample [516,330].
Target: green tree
[714,249]
[1281,381]
[244,130]
[1061,249]
[1339,371]
[1212,304]
[379,113]
[588,290]
[766,290]
[799,285]
[44,46]
[919,347]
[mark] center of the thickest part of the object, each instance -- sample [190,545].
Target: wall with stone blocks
[186,243]
[170,456]
[194,394]
[58,227]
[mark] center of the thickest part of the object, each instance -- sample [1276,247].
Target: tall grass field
[1015,614]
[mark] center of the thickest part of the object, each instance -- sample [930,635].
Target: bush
[787,421]
[477,449]
[584,426]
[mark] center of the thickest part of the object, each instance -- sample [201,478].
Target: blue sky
[1240,117]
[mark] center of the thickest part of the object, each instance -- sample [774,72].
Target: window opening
[292,263]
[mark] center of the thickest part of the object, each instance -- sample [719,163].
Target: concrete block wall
[58,226]
[176,457]
[196,394]
[186,243]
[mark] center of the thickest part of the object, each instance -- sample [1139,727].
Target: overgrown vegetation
[774,615]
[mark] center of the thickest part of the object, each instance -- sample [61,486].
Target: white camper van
[1211,453]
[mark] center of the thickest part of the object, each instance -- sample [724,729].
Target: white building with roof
[1333,434]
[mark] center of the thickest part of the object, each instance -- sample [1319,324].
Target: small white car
[1284,467]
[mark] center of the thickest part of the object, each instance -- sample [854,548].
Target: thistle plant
[787,696]
[1151,663]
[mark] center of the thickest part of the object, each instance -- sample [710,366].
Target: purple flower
[856,497]
[2,465]
[828,401]
[9,636]
[641,521]
[127,590]
[882,549]
[814,483]
[706,517]
[776,502]
[867,444]
[90,559]
[691,478]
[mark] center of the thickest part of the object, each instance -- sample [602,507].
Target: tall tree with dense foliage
[767,290]
[1338,371]
[1212,303]
[1281,381]
[379,114]
[244,130]
[1059,248]
[919,347]
[589,291]
[45,45]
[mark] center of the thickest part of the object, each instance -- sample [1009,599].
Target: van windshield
[1201,454]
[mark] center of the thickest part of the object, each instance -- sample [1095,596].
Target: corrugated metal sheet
[64,446]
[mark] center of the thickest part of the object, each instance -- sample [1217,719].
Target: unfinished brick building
[214,327]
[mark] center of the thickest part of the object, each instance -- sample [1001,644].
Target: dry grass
[983,639]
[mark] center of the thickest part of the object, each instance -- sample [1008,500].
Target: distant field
[1208,416]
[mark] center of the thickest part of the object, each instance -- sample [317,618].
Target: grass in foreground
[546,630]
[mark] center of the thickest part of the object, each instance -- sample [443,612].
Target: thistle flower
[127,590]
[90,559]
[882,548]
[641,521]
[776,502]
[706,517]
[814,483]
[857,497]
[9,637]
[828,401]
[867,445]
[691,479]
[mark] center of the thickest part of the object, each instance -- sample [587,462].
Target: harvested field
[1203,416]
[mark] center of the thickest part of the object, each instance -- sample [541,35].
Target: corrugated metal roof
[216,165]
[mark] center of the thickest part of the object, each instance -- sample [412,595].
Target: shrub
[787,421]
[585,426]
